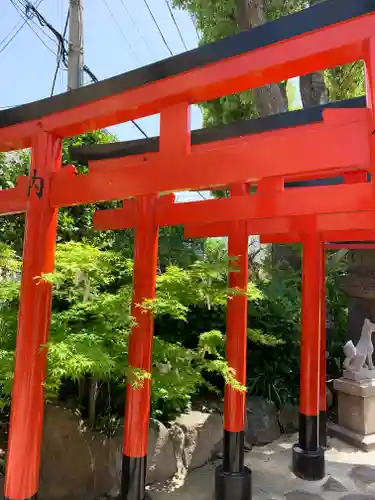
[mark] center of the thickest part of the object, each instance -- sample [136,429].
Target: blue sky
[27,66]
[111,47]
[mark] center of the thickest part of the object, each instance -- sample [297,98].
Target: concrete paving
[350,475]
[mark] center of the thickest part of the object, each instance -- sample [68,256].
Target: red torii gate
[335,32]
[310,229]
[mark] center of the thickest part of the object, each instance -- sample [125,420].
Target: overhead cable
[62,50]
[25,18]
[136,26]
[60,56]
[14,32]
[175,23]
[121,30]
[158,27]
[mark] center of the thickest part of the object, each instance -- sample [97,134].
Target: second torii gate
[313,352]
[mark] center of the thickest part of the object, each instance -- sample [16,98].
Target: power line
[195,26]
[43,23]
[136,26]
[30,26]
[26,12]
[140,129]
[11,31]
[158,27]
[12,38]
[30,12]
[20,25]
[61,50]
[175,23]
[63,53]
[121,30]
[201,195]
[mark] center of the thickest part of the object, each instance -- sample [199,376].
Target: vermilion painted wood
[236,320]
[174,124]
[340,223]
[175,132]
[356,176]
[342,147]
[310,327]
[323,336]
[352,235]
[325,48]
[127,216]
[370,94]
[323,352]
[137,409]
[292,202]
[14,200]
[27,408]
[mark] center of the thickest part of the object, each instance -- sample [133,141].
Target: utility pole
[75,57]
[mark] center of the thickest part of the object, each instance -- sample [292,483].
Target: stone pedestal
[356,413]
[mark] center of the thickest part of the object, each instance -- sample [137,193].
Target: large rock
[289,418]
[203,435]
[161,461]
[262,423]
[78,464]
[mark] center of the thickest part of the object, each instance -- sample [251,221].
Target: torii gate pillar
[27,408]
[137,409]
[233,479]
[308,455]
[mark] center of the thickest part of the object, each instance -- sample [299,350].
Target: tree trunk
[93,394]
[312,87]
[270,99]
[82,390]
[313,90]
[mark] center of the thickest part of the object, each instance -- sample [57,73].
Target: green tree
[216,19]
[91,323]
[219,19]
[345,82]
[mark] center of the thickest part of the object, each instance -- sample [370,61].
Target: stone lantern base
[356,413]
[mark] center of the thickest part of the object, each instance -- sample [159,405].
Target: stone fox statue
[360,355]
